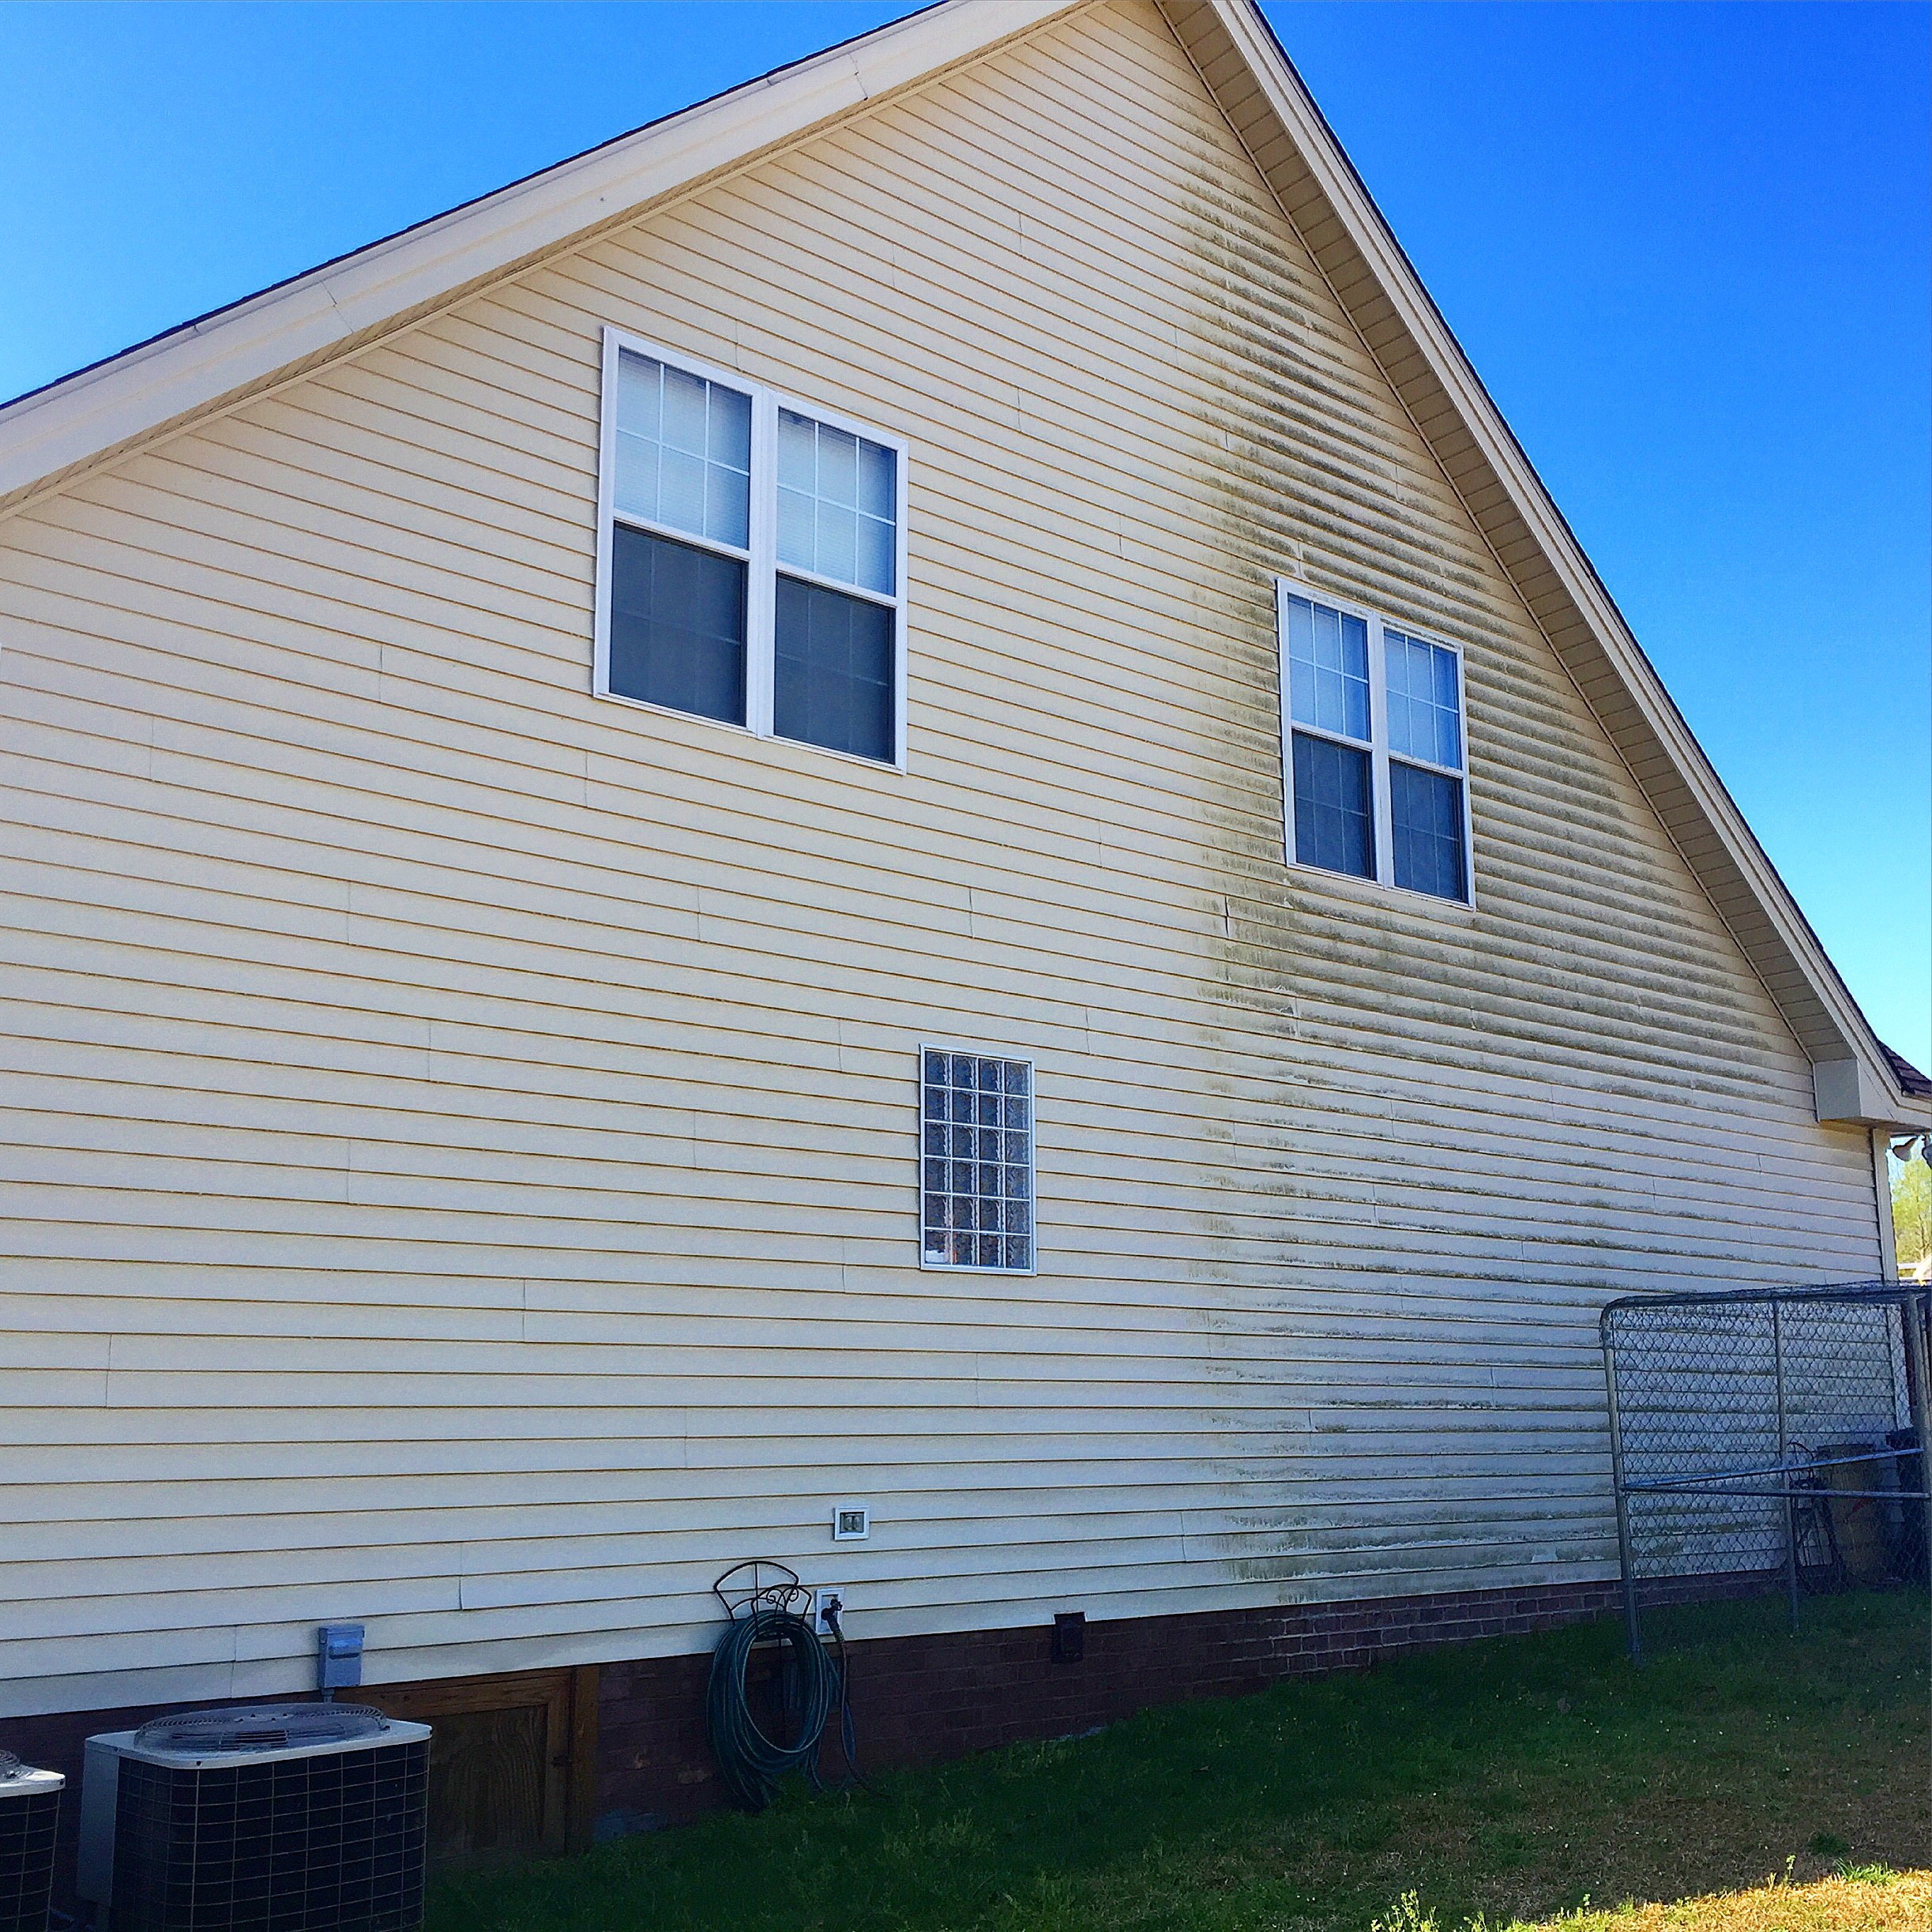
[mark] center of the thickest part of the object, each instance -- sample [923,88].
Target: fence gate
[1770,1438]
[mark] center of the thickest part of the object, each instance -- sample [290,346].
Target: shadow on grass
[1513,1778]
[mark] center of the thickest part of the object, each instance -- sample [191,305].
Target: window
[751,565]
[976,1161]
[1372,737]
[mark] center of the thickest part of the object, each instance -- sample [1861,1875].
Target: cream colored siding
[462,1166]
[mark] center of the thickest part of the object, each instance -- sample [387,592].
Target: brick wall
[920,1700]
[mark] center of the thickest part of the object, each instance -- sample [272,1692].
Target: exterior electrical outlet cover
[338,1656]
[851,1522]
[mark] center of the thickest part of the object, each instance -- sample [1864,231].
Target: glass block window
[751,569]
[976,1161]
[1373,745]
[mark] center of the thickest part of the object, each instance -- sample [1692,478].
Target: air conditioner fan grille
[261,1728]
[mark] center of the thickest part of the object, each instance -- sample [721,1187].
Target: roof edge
[142,390]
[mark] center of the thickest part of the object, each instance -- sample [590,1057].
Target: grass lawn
[1513,1780]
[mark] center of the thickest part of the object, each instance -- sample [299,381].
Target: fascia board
[238,347]
[1397,283]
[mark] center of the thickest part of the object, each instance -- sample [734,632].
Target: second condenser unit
[29,1811]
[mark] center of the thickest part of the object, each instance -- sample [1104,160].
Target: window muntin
[975,1162]
[1329,656]
[683,451]
[1373,749]
[1425,701]
[837,504]
[805,638]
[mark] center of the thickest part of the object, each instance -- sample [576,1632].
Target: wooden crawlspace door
[513,1761]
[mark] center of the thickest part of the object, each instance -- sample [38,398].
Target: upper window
[752,558]
[1372,735]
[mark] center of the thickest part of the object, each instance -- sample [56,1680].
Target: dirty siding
[463,1143]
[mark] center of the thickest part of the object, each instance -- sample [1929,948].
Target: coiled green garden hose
[752,1763]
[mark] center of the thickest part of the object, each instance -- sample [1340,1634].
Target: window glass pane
[677,626]
[837,504]
[683,451]
[834,671]
[838,467]
[1328,669]
[1425,820]
[1332,825]
[1424,721]
[977,1212]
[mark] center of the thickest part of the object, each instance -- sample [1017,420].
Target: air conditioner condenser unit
[29,1812]
[299,1817]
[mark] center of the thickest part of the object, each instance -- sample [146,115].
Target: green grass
[1513,1780]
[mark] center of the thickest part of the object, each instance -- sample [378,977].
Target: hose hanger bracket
[763,1584]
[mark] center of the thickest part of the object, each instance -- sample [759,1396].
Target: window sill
[1388,898]
[973,1268]
[746,732]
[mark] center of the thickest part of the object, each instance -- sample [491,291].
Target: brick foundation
[920,1700]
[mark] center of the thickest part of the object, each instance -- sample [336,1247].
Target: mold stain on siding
[1589,960]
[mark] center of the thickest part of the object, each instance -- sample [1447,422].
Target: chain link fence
[1769,1439]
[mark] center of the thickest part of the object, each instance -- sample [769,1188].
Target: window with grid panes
[976,1161]
[753,563]
[1373,782]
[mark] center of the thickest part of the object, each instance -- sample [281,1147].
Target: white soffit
[240,350]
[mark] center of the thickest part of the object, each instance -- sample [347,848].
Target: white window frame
[760,556]
[1379,756]
[981,1052]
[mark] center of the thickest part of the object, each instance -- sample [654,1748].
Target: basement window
[1372,737]
[751,560]
[976,1162]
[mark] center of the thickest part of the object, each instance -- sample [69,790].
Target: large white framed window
[1373,748]
[751,557]
[975,1161]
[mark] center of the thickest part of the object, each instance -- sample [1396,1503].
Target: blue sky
[1685,245]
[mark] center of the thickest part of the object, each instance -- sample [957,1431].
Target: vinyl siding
[461,1137]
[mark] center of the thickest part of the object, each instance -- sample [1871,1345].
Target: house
[894,800]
